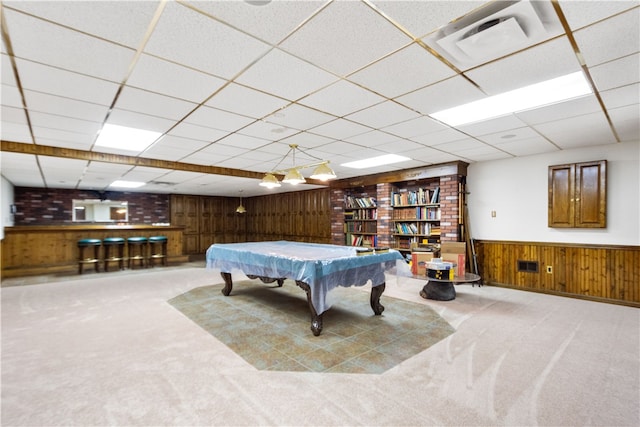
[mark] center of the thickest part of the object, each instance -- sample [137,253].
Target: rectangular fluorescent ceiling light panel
[372,162]
[526,98]
[126,138]
[127,184]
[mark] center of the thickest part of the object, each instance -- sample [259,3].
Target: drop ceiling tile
[13,115]
[16,162]
[442,95]
[526,68]
[423,17]
[626,121]
[245,142]
[141,101]
[580,14]
[415,127]
[340,38]
[526,146]
[428,156]
[185,36]
[599,44]
[139,121]
[8,78]
[52,121]
[63,138]
[241,163]
[200,133]
[512,135]
[181,176]
[340,129]
[307,140]
[457,146]
[285,75]
[145,174]
[51,44]
[176,142]
[52,165]
[574,107]
[585,130]
[299,117]
[621,72]
[500,124]
[440,137]
[38,77]
[167,78]
[402,72]
[352,150]
[124,22]
[621,96]
[267,131]
[372,138]
[384,114]
[245,101]
[341,98]
[217,119]
[11,96]
[111,169]
[269,22]
[63,106]
[483,154]
[18,132]
[204,158]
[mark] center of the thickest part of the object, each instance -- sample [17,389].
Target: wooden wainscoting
[597,272]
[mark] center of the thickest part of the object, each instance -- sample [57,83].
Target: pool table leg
[228,283]
[316,319]
[376,293]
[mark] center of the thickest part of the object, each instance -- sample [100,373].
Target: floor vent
[528,266]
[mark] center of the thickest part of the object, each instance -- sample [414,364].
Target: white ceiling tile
[186,36]
[404,71]
[168,78]
[299,117]
[281,73]
[204,158]
[621,72]
[501,124]
[201,133]
[340,38]
[585,130]
[139,121]
[415,127]
[53,81]
[428,156]
[340,129]
[423,17]
[267,131]
[626,121]
[141,174]
[237,140]
[527,67]
[241,100]
[15,115]
[10,96]
[52,121]
[18,132]
[307,140]
[51,44]
[459,145]
[574,107]
[372,138]
[440,137]
[6,72]
[442,95]
[581,13]
[384,114]
[72,108]
[73,167]
[341,98]
[599,44]
[527,146]
[121,21]
[621,96]
[141,101]
[218,119]
[512,135]
[270,22]
[63,138]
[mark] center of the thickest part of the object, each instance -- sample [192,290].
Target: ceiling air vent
[495,30]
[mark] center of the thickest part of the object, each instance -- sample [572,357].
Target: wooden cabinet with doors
[578,195]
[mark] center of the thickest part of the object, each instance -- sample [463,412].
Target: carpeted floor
[269,326]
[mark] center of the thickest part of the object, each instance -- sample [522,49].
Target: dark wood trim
[415,174]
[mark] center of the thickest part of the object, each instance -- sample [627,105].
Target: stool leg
[96,254]
[80,263]
[164,253]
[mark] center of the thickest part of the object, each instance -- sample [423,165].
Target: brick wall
[45,206]
[449,214]
[337,216]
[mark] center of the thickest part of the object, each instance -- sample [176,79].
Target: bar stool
[115,244]
[157,249]
[137,250]
[88,259]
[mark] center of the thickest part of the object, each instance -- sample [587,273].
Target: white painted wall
[517,190]
[6,200]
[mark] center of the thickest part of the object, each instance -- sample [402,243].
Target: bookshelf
[416,215]
[361,219]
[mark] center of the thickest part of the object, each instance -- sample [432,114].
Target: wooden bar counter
[33,249]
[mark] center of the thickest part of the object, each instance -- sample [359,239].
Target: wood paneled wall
[303,216]
[607,272]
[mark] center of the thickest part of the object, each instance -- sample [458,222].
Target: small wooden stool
[157,250]
[137,250]
[117,245]
[95,259]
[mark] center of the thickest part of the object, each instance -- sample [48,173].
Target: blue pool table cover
[321,266]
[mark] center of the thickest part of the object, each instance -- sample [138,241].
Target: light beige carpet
[269,327]
[110,350]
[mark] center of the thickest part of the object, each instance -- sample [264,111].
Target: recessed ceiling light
[126,138]
[372,162]
[537,95]
[127,184]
